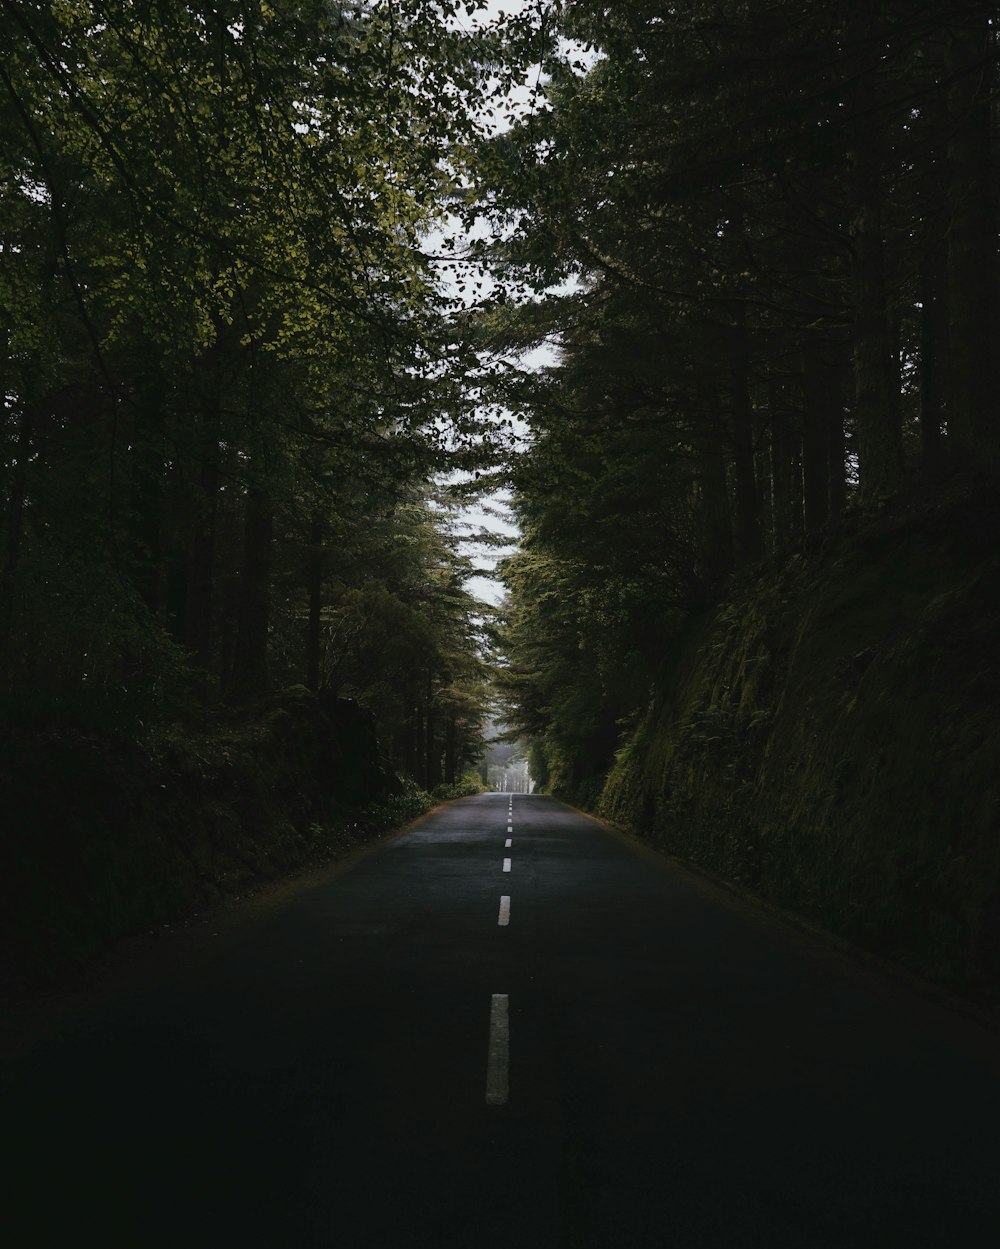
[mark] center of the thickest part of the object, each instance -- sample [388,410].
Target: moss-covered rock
[830,738]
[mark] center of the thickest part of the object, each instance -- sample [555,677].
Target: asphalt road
[633,1059]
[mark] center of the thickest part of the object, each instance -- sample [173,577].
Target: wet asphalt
[682,1070]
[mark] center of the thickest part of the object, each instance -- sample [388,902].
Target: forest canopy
[232,379]
[763,238]
[760,237]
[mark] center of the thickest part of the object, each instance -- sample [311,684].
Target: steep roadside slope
[830,738]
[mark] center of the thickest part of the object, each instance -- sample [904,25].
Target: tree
[226,348]
[751,200]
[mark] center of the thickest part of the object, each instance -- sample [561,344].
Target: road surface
[505,1027]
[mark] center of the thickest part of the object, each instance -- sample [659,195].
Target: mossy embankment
[829,738]
[106,836]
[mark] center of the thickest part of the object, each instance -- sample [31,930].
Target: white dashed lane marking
[506,865]
[498,1056]
[503,919]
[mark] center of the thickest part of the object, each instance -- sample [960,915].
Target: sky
[476,516]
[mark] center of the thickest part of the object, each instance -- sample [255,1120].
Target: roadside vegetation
[269,277]
[759,547]
[234,622]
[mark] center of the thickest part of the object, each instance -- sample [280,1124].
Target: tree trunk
[765,493]
[713,495]
[199,581]
[177,524]
[18,493]
[933,354]
[15,529]
[314,586]
[876,381]
[815,439]
[450,743]
[147,498]
[432,768]
[409,753]
[749,535]
[973,439]
[785,466]
[420,770]
[249,676]
[795,479]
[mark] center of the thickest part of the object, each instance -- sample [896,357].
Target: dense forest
[244,396]
[231,380]
[768,236]
[234,617]
[751,612]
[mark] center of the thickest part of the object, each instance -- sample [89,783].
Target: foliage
[829,739]
[466,786]
[231,371]
[748,230]
[107,836]
[409,802]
